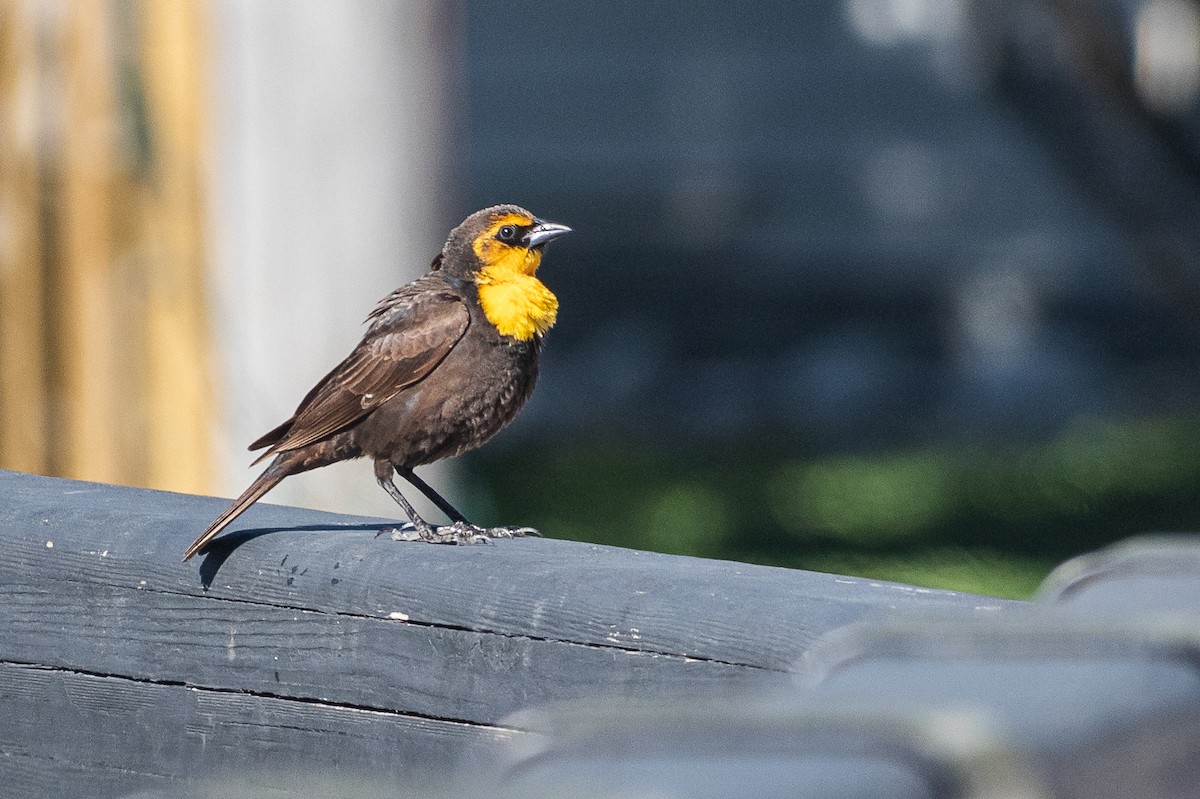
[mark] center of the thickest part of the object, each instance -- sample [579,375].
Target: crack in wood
[312,701]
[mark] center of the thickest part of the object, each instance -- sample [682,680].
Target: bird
[446,362]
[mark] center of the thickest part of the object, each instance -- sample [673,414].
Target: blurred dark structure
[851,228]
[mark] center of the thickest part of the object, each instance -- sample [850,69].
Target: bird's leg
[383,475]
[457,533]
[462,531]
[433,496]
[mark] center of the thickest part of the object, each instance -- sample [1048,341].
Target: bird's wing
[404,344]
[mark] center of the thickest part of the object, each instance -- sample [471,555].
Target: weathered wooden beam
[68,733]
[1092,691]
[301,614]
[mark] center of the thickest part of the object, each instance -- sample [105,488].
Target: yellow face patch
[494,253]
[513,299]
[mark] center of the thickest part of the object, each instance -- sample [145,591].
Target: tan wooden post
[104,354]
[24,422]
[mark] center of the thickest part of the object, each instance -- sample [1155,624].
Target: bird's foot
[459,533]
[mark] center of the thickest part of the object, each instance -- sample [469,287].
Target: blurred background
[898,288]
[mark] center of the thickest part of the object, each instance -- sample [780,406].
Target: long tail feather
[279,469]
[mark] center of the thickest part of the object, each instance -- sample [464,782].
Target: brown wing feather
[267,439]
[406,341]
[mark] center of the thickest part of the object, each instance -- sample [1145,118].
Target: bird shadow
[216,553]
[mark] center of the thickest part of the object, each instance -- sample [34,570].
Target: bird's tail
[280,468]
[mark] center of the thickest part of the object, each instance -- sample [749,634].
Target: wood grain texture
[73,734]
[300,609]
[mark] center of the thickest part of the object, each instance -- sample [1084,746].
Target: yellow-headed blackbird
[446,362]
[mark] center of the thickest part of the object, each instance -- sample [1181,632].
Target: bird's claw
[512,532]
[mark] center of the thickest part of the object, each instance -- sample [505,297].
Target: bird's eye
[508,233]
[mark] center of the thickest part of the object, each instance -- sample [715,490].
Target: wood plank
[147,633]
[774,745]
[124,667]
[756,616]
[111,736]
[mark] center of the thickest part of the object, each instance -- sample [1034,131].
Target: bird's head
[503,239]
[499,249]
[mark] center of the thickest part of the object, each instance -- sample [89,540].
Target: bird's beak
[543,232]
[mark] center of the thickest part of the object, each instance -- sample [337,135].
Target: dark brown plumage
[446,362]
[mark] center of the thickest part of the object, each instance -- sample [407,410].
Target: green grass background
[986,519]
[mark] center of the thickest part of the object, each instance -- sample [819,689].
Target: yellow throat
[513,299]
